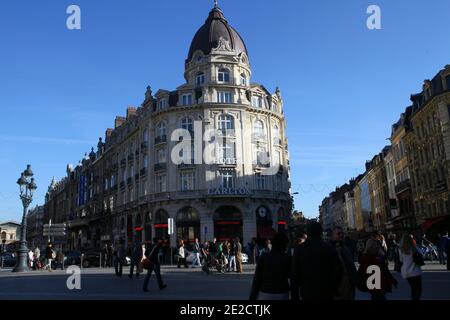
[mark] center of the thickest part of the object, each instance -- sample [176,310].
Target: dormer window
[200,79]
[187,99]
[243,80]
[257,101]
[162,104]
[223,76]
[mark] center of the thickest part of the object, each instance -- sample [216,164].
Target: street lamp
[27,187]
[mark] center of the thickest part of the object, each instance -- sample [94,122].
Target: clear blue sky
[343,85]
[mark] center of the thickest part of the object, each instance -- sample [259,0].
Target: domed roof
[208,36]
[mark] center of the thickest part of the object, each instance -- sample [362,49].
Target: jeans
[157,269]
[118,266]
[416,287]
[232,262]
[48,264]
[196,261]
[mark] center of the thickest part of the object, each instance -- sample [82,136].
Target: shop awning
[430,222]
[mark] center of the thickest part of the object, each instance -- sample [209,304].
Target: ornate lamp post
[27,188]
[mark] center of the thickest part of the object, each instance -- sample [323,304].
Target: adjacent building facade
[406,186]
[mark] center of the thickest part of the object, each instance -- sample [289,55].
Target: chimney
[131,111]
[119,121]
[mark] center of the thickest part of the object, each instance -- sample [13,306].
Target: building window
[145,161]
[161,183]
[224,97]
[224,76]
[187,124]
[243,79]
[162,104]
[226,151]
[187,180]
[227,178]
[258,128]
[260,181]
[274,107]
[161,130]
[187,99]
[112,181]
[106,184]
[200,79]
[226,123]
[161,156]
[257,101]
[145,135]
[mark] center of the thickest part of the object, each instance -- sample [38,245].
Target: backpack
[418,258]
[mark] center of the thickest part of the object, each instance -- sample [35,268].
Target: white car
[244,258]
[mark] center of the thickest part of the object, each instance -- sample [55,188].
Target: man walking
[152,255]
[196,251]
[136,257]
[232,260]
[119,258]
[316,270]
[346,290]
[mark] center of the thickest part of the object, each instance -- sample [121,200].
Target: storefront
[228,223]
[161,225]
[188,225]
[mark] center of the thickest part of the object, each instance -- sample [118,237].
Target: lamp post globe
[27,186]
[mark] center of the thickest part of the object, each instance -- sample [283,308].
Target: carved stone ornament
[223,45]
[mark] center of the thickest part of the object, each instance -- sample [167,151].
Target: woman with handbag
[411,261]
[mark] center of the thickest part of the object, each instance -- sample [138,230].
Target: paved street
[182,284]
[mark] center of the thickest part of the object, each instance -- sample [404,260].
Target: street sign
[54,230]
[171,227]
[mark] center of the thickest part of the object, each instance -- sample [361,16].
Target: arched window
[226,123]
[276,131]
[258,127]
[3,235]
[200,79]
[243,79]
[161,129]
[223,76]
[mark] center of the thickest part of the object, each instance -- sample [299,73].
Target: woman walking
[411,266]
[182,255]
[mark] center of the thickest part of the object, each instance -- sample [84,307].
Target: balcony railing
[160,166]
[403,186]
[258,137]
[161,139]
[260,165]
[186,166]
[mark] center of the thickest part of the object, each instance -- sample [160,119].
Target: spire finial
[216,4]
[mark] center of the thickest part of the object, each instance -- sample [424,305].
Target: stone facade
[150,167]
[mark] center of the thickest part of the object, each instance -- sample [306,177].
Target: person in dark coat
[316,269]
[273,271]
[136,257]
[152,255]
[346,290]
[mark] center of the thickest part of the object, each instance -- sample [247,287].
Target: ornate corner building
[130,187]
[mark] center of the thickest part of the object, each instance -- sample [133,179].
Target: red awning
[430,222]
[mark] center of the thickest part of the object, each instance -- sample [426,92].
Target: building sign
[228,191]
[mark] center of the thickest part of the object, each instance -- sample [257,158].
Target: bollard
[100,260]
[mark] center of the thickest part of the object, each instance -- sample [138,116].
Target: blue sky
[343,84]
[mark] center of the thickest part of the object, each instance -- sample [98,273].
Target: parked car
[9,260]
[89,258]
[244,258]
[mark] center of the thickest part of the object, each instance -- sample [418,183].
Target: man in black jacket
[152,255]
[316,270]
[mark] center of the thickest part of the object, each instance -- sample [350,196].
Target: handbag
[146,264]
[418,258]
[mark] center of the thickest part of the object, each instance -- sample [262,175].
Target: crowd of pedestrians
[317,269]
